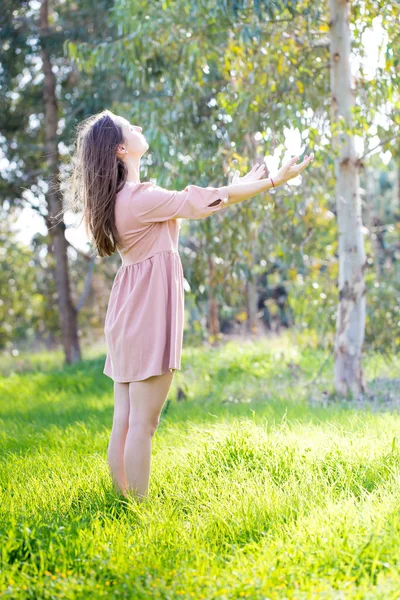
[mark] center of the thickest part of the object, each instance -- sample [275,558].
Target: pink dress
[145,314]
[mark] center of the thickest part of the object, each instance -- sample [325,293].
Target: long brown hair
[97,175]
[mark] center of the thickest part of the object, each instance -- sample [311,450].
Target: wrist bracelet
[273,185]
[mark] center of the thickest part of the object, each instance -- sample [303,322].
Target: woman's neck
[133,166]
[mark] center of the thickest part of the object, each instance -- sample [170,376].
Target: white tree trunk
[350,321]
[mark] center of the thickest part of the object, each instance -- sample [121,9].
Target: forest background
[216,88]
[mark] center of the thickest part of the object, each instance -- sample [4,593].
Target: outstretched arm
[247,189]
[242,191]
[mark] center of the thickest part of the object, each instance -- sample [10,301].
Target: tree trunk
[213,318]
[373,223]
[398,180]
[350,321]
[252,305]
[253,247]
[58,244]
[252,292]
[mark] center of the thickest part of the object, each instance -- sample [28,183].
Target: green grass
[259,488]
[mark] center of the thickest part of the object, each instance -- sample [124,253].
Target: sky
[29,222]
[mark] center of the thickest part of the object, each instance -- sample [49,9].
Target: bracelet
[273,185]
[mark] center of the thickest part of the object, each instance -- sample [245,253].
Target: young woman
[144,319]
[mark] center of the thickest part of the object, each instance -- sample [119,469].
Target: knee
[145,425]
[152,425]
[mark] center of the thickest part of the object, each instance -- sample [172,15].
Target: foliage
[215,87]
[27,311]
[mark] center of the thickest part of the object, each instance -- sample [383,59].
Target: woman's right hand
[290,169]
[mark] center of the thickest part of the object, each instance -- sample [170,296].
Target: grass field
[262,487]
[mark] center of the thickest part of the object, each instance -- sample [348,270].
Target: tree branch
[381,143]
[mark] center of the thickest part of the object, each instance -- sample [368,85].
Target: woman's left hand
[257,172]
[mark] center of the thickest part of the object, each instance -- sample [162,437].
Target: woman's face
[134,140]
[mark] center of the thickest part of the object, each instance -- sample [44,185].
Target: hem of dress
[129,380]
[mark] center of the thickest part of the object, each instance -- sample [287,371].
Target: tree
[58,243]
[42,98]
[350,324]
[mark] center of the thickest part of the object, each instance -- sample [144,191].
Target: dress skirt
[144,320]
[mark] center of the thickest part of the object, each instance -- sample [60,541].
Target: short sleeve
[151,203]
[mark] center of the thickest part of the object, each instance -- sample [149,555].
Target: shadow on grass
[37,533]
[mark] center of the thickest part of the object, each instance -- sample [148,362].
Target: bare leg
[118,436]
[146,401]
